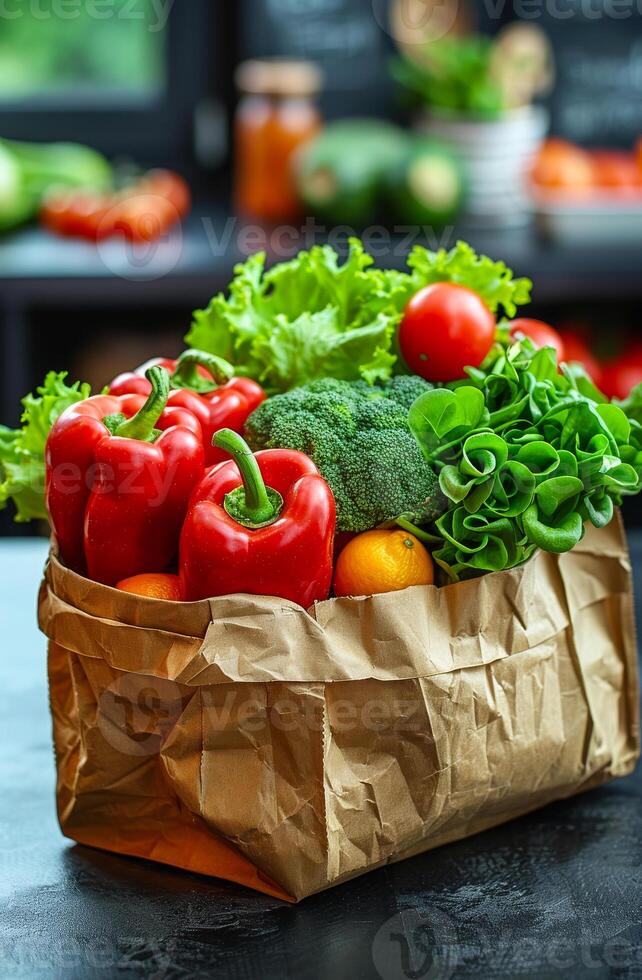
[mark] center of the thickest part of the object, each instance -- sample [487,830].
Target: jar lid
[275,76]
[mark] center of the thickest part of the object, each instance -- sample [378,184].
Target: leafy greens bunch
[456,75]
[308,318]
[316,317]
[492,281]
[526,455]
[22,451]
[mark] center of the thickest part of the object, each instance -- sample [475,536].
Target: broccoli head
[358,436]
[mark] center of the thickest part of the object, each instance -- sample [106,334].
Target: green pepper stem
[418,532]
[252,505]
[142,425]
[188,376]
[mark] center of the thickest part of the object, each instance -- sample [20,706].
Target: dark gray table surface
[554,894]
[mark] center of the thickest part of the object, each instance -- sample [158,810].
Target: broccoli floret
[359,438]
[406,389]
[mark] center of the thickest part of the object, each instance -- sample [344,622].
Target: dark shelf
[41,273]
[38,267]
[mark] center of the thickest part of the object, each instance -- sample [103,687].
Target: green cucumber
[426,187]
[340,174]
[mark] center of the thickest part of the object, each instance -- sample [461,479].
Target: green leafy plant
[22,451]
[454,74]
[491,280]
[632,406]
[526,456]
[308,318]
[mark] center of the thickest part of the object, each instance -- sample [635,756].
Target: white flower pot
[497,157]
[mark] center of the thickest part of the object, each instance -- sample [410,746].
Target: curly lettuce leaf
[632,406]
[308,318]
[493,281]
[22,451]
[526,457]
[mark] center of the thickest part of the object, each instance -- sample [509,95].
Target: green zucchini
[340,174]
[426,186]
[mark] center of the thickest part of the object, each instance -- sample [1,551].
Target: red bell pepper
[203,384]
[243,536]
[119,473]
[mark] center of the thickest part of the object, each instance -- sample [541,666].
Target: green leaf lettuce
[493,281]
[308,318]
[22,451]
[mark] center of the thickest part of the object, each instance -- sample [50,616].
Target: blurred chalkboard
[598,52]
[347,38]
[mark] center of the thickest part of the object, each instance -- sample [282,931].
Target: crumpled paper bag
[246,738]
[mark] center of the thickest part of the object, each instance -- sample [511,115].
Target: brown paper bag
[287,750]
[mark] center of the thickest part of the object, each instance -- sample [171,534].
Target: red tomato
[80,213]
[54,212]
[619,377]
[171,186]
[445,329]
[144,217]
[141,212]
[633,351]
[540,333]
[578,352]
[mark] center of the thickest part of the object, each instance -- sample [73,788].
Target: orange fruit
[561,165]
[153,586]
[615,169]
[382,561]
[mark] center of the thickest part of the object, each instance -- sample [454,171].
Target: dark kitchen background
[153,84]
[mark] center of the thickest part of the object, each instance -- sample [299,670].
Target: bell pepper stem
[253,505]
[142,425]
[188,376]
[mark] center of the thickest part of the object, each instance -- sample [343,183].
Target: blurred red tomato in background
[579,352]
[542,334]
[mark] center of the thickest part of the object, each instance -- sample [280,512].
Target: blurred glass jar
[276,115]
